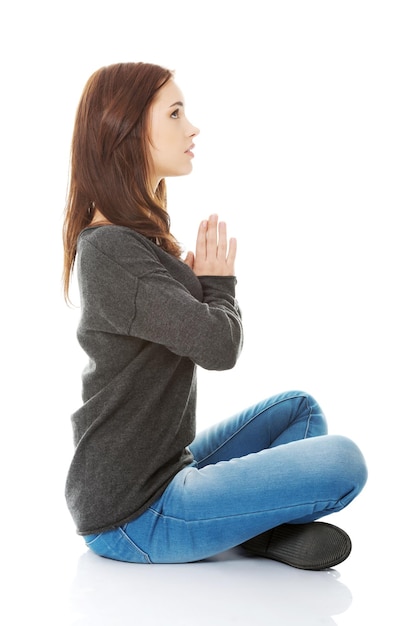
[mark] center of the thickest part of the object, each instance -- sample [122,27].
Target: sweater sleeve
[133,293]
[209,332]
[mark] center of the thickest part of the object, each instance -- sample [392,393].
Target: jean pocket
[116,545]
[90,539]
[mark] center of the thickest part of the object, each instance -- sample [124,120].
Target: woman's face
[171,134]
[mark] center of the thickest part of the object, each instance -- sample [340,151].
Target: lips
[190,148]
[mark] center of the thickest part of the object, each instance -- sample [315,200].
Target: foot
[312,546]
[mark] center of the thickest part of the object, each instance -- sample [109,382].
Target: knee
[350,461]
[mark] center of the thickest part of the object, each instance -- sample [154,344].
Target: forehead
[169,94]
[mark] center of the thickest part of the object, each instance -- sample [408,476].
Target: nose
[194,131]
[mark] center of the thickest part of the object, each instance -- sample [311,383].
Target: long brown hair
[110,162]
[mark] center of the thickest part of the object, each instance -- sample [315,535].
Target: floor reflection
[226,590]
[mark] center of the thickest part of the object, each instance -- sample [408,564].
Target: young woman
[142,487]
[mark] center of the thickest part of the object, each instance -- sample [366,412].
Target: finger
[212,237]
[222,241]
[189,259]
[201,240]
[232,252]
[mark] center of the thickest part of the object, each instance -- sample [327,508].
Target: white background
[308,149]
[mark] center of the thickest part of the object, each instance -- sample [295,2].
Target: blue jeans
[271,464]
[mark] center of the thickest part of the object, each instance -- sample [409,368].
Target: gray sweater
[146,322]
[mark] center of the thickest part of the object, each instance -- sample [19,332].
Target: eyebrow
[177,104]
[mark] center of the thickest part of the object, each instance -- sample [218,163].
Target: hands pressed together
[215,255]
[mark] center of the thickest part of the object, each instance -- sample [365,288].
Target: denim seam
[301,395]
[90,543]
[323,503]
[133,544]
[308,422]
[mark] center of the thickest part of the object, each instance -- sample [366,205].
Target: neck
[99,218]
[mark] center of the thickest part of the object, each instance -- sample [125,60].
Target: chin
[183,172]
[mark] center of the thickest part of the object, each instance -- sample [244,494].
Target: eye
[175,114]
